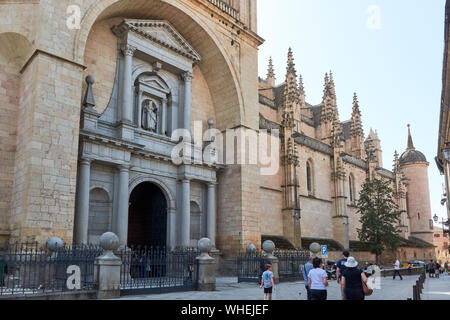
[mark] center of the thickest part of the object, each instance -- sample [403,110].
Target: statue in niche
[149,116]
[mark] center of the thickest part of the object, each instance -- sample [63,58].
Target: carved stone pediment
[155,83]
[160,32]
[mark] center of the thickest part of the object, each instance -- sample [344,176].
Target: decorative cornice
[49,54]
[355,161]
[137,25]
[312,143]
[385,173]
[267,102]
[265,124]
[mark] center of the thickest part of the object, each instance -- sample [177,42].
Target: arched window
[309,178]
[351,188]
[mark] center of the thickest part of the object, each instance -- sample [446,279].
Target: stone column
[122,212]
[82,213]
[107,268]
[185,212]
[127,94]
[187,77]
[206,267]
[164,117]
[211,213]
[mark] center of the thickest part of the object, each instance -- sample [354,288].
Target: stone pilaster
[82,212]
[122,212]
[126,128]
[211,213]
[185,212]
[187,77]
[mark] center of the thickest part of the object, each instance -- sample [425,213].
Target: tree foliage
[379,216]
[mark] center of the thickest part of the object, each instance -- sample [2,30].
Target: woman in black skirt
[352,281]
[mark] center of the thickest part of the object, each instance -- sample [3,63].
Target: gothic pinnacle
[270,70]
[410,140]
[271,74]
[301,88]
[291,93]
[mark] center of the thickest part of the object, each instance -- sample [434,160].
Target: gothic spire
[410,140]
[356,127]
[270,73]
[338,135]
[329,108]
[291,94]
[396,162]
[301,88]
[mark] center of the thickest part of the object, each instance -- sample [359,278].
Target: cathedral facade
[93,91]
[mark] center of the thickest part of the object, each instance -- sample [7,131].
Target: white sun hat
[351,263]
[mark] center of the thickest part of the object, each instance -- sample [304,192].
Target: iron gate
[157,270]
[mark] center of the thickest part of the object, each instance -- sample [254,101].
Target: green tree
[379,217]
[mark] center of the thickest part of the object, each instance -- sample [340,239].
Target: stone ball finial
[251,248]
[54,244]
[109,241]
[314,247]
[204,245]
[268,246]
[90,79]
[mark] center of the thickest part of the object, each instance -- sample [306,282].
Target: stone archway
[147,216]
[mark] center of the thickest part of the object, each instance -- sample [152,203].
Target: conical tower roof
[411,155]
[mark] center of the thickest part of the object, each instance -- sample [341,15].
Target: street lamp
[444,224]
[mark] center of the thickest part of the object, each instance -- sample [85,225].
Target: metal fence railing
[225,7]
[290,263]
[29,269]
[250,265]
[157,270]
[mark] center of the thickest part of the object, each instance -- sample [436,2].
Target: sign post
[324,251]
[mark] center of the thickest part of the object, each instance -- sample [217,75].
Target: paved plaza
[229,289]
[437,289]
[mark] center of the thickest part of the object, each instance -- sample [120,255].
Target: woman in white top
[318,281]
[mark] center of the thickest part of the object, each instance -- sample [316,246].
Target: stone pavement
[229,289]
[436,289]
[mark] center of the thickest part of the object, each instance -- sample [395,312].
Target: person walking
[318,281]
[431,269]
[437,268]
[267,282]
[307,267]
[352,281]
[397,269]
[340,268]
[446,267]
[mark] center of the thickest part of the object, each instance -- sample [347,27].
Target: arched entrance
[147,216]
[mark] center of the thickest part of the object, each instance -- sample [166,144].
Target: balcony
[225,7]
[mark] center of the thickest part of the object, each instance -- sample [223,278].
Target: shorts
[268,290]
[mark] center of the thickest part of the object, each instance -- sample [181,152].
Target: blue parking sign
[324,250]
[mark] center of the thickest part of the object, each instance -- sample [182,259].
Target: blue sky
[389,52]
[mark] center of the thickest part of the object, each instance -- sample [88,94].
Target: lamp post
[444,224]
[446,155]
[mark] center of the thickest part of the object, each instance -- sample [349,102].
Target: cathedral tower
[414,166]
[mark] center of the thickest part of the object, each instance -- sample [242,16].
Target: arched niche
[216,66]
[100,206]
